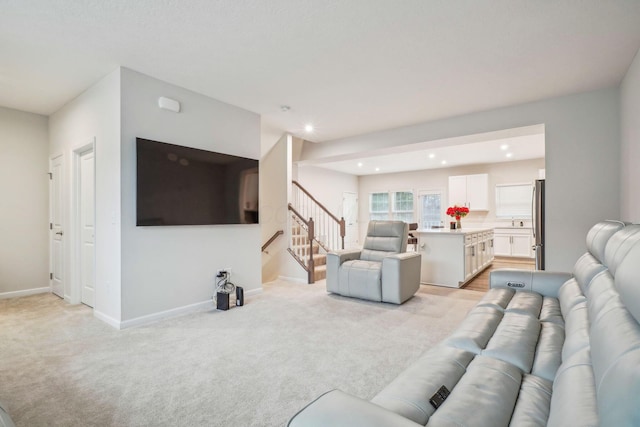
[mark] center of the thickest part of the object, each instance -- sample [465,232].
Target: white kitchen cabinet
[453,257]
[513,242]
[471,191]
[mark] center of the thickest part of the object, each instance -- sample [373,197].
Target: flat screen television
[179,185]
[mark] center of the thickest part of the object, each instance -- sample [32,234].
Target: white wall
[630,148]
[24,218]
[275,184]
[517,172]
[582,149]
[166,268]
[94,116]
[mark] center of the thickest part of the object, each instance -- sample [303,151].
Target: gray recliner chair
[382,271]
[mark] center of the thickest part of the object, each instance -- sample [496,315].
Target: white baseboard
[174,312]
[162,315]
[293,279]
[24,293]
[251,292]
[107,319]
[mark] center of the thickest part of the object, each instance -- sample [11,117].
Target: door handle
[59,233]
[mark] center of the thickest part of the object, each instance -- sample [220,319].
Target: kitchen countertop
[452,232]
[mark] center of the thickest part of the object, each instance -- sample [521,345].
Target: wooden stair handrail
[292,209]
[304,190]
[272,238]
[341,221]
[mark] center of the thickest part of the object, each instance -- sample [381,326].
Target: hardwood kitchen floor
[481,282]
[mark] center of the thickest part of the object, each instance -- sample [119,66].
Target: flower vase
[458,224]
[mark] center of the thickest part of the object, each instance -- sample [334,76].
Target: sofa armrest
[334,261]
[545,283]
[338,409]
[5,420]
[400,276]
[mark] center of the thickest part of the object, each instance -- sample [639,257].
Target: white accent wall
[171,267]
[582,149]
[630,147]
[24,219]
[94,116]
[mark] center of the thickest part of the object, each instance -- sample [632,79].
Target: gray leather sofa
[540,349]
[382,271]
[5,420]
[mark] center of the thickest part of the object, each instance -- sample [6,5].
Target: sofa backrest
[593,261]
[384,238]
[614,314]
[599,235]
[619,245]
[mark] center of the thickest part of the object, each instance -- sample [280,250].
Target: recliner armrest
[342,256]
[334,261]
[545,283]
[400,276]
[339,409]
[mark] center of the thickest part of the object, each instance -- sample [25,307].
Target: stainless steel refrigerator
[537,222]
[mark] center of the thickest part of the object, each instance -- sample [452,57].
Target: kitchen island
[453,257]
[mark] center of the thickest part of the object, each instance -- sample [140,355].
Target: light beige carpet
[255,365]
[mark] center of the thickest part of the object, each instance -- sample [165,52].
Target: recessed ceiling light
[444,162]
[504,147]
[377,169]
[308,128]
[509,154]
[431,156]
[359,164]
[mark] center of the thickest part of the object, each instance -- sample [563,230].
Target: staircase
[300,244]
[314,232]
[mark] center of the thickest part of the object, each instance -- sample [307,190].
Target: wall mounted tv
[179,185]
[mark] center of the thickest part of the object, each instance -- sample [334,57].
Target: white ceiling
[349,67]
[491,147]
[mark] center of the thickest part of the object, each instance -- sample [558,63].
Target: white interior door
[87,227]
[350,215]
[56,233]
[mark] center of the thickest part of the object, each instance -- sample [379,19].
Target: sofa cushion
[548,351]
[576,328]
[550,311]
[585,269]
[485,395]
[515,340]
[476,329]
[498,298]
[361,279]
[569,295]
[534,400]
[409,394]
[573,402]
[528,303]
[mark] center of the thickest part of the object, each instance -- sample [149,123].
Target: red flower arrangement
[457,211]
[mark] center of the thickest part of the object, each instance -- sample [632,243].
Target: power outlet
[221,272]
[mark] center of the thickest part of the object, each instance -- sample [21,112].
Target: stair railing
[271,239]
[303,251]
[329,230]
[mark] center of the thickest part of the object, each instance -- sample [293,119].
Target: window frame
[513,214]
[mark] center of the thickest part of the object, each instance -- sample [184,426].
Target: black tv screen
[179,185]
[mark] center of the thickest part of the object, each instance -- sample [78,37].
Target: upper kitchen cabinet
[471,191]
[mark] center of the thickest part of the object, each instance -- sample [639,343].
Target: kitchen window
[430,204]
[513,200]
[393,205]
